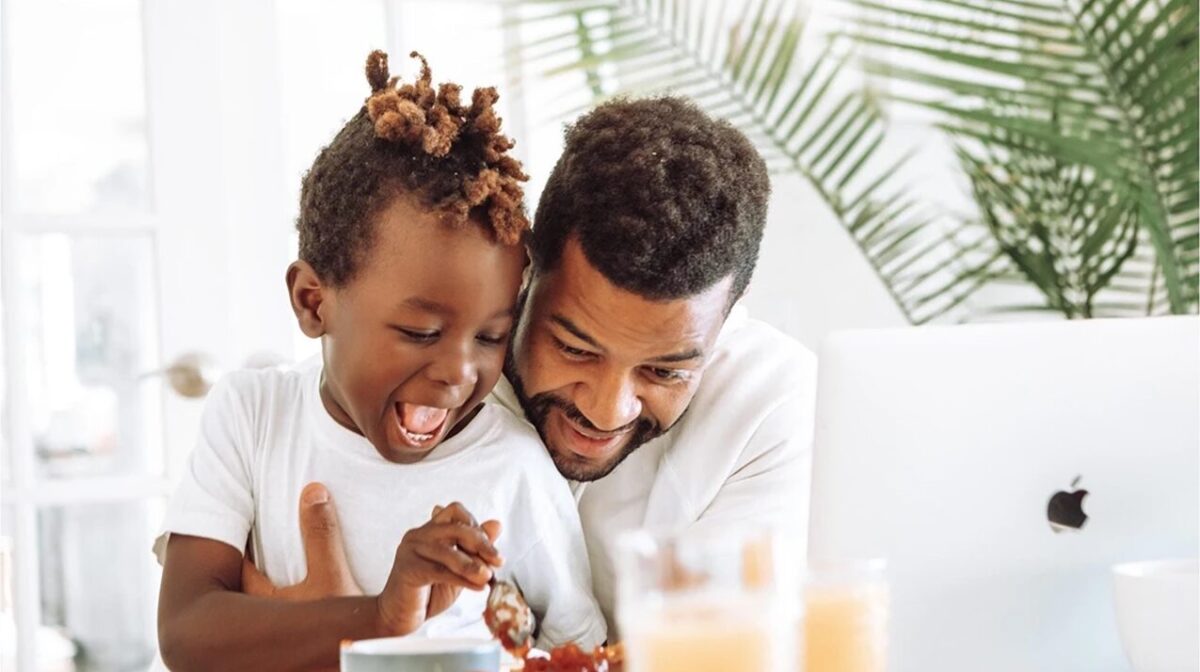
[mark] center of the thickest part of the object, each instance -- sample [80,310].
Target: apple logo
[1065,511]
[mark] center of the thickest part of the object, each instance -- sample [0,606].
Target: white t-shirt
[266,434]
[740,455]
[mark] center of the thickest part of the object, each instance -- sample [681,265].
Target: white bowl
[1158,614]
[415,654]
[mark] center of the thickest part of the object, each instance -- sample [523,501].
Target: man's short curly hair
[664,200]
[414,141]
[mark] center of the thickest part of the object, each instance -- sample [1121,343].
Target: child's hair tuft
[409,139]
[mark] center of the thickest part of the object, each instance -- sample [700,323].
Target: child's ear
[308,295]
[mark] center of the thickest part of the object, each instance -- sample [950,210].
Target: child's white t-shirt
[265,434]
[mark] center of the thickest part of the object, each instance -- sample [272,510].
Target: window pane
[55,651]
[99,581]
[90,302]
[78,106]
[322,88]
[6,436]
[464,42]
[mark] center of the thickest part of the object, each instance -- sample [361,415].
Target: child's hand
[434,563]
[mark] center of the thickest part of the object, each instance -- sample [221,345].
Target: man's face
[600,370]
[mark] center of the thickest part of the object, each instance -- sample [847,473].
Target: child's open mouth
[420,425]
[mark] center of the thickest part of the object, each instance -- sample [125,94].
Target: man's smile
[588,442]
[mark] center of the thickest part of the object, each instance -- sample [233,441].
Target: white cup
[1158,614]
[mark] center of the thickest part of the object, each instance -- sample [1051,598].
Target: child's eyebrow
[442,309]
[427,305]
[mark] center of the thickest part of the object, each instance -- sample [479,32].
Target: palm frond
[1089,106]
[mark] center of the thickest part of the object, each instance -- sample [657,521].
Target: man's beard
[537,410]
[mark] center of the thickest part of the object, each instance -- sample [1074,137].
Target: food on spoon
[508,617]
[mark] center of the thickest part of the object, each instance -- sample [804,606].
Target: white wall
[811,276]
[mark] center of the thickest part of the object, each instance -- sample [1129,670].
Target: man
[667,406]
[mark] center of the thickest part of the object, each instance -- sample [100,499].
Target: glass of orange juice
[698,603]
[845,617]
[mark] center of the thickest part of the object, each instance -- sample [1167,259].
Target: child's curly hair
[415,141]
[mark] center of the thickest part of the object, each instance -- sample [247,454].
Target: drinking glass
[692,602]
[845,617]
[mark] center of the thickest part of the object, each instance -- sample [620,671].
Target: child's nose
[453,367]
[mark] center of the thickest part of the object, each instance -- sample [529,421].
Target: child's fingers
[472,540]
[453,513]
[457,514]
[429,572]
[492,529]
[466,568]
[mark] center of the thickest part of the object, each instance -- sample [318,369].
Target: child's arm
[205,623]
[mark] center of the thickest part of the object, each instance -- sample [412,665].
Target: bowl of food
[414,654]
[1158,614]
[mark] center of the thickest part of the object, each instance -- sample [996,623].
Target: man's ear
[308,295]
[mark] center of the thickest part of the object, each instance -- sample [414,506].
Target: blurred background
[933,160]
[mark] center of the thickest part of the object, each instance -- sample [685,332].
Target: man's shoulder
[758,391]
[754,406]
[755,363]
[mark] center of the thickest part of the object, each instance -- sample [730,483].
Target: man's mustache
[575,415]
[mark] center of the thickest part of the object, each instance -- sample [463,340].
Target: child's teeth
[416,437]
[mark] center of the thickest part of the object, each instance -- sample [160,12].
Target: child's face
[417,339]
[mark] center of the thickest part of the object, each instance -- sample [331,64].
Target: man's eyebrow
[685,356]
[575,330]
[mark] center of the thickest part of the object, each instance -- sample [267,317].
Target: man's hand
[434,563]
[324,551]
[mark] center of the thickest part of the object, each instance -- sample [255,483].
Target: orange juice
[708,634]
[845,628]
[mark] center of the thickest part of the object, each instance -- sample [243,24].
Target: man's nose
[610,402]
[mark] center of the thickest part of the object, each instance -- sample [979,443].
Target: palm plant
[1075,122]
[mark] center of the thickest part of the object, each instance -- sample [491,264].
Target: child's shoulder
[256,391]
[515,433]
[517,442]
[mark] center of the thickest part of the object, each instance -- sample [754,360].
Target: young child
[411,259]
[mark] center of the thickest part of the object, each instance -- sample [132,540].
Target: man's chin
[579,468]
[582,469]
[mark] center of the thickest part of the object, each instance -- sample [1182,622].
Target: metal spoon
[508,616]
